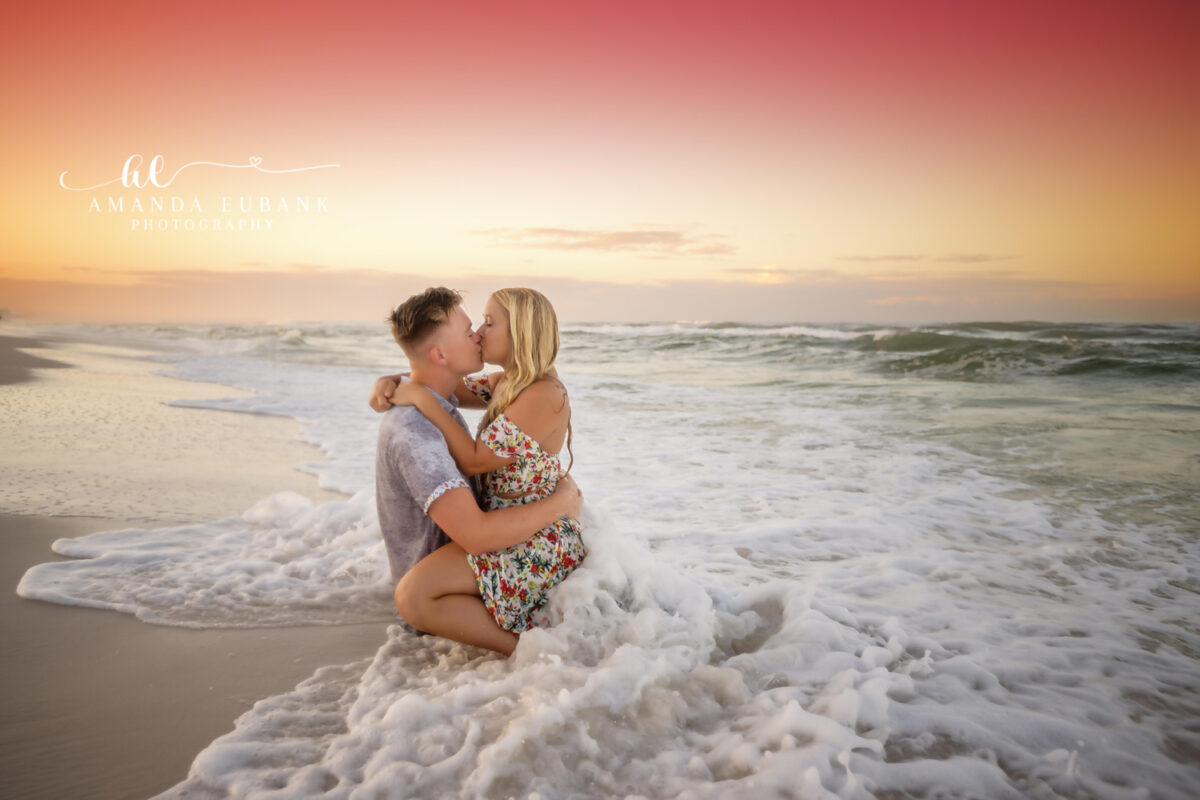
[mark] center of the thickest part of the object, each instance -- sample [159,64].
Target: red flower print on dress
[515,582]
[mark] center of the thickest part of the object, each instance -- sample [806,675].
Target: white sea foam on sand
[785,596]
[282,562]
[649,685]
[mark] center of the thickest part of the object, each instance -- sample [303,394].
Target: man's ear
[436,356]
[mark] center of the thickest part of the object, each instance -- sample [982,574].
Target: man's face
[460,344]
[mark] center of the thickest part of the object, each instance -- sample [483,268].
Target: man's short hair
[420,315]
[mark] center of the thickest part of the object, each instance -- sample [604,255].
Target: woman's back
[532,432]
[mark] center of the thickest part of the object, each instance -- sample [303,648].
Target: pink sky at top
[873,161]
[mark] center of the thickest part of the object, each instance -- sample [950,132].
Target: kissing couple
[479,528]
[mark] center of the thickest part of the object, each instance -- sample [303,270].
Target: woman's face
[493,334]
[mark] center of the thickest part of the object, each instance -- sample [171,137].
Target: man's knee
[408,601]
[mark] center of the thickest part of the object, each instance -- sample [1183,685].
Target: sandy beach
[99,704]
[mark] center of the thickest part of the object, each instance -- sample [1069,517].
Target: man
[422,497]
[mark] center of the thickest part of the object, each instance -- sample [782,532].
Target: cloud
[770,273]
[872,259]
[974,275]
[972,258]
[954,258]
[309,267]
[94,270]
[932,300]
[656,241]
[815,296]
[299,267]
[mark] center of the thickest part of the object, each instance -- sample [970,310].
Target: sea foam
[848,584]
[282,562]
[649,685]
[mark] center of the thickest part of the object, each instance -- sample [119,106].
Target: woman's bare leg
[440,596]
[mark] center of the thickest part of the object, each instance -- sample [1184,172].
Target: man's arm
[477,532]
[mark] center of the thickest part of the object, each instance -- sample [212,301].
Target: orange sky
[758,161]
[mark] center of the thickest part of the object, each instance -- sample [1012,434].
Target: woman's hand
[408,394]
[381,393]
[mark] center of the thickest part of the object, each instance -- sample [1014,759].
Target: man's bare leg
[440,596]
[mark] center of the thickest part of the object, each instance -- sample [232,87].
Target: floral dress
[515,582]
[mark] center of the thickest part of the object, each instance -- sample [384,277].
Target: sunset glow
[637,160]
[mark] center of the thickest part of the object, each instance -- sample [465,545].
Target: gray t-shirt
[413,467]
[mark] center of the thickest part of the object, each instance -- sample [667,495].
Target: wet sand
[98,704]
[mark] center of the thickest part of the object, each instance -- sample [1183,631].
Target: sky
[652,160]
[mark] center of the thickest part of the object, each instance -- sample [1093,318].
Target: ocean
[852,561]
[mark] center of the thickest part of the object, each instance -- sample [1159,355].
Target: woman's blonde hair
[533,330]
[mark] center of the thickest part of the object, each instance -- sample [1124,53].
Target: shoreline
[99,703]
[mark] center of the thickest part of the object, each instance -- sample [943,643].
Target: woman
[526,424]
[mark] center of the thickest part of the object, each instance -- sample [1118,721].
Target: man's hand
[567,492]
[381,393]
